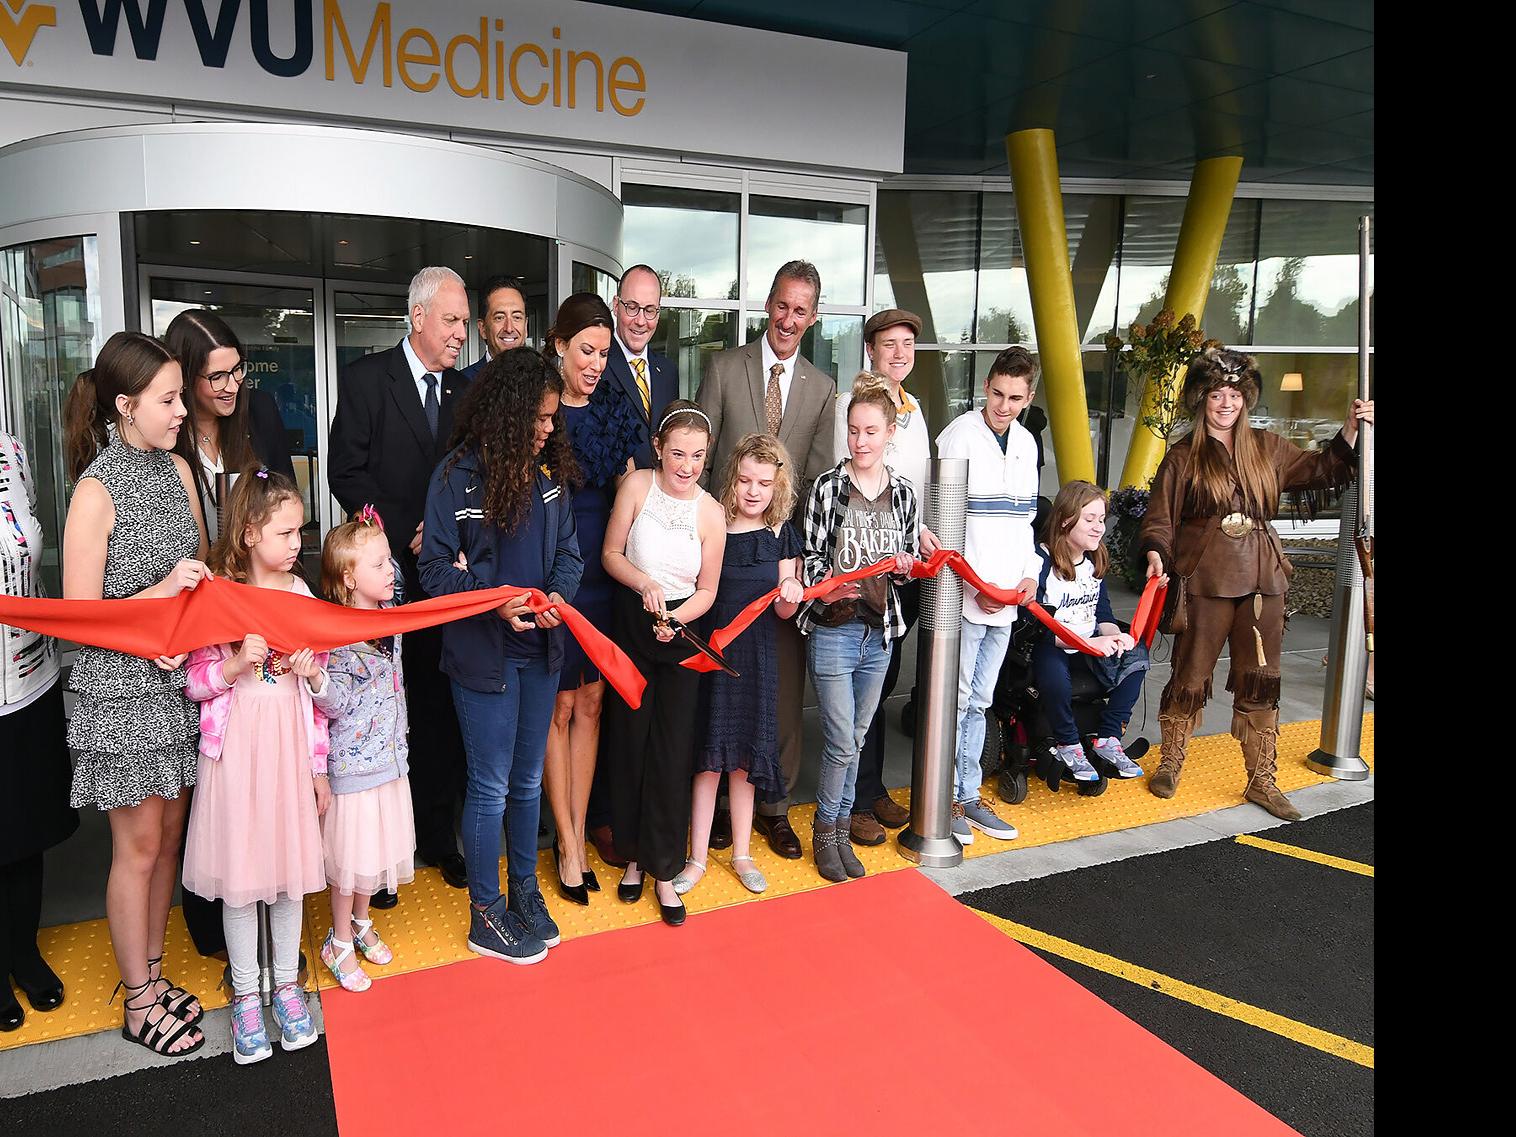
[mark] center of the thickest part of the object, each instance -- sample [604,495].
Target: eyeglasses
[631,308]
[223,380]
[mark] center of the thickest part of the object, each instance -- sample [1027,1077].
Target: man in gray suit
[769,387]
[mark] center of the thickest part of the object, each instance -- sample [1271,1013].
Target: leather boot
[1176,728]
[849,859]
[824,841]
[1258,731]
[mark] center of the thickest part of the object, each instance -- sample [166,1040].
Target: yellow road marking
[1311,1036]
[1307,855]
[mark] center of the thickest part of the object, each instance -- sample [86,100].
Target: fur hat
[1219,367]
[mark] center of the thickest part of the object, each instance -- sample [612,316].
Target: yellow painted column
[1044,237]
[1212,188]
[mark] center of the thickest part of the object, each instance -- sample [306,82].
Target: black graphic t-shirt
[869,532]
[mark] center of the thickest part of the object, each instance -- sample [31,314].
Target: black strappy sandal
[160,1034]
[176,1000]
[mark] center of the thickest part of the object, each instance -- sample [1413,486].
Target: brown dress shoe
[606,846]
[782,839]
[864,829]
[890,815]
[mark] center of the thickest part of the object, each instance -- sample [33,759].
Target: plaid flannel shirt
[824,507]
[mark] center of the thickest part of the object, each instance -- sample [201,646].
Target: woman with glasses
[231,425]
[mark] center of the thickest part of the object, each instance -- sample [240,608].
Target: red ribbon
[1147,617]
[1149,608]
[221,611]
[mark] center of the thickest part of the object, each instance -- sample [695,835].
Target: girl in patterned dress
[254,831]
[368,833]
[134,529]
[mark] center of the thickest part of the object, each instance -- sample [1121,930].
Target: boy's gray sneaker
[981,816]
[499,933]
[1078,765]
[961,829]
[1111,750]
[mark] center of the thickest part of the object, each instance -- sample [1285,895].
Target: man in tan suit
[769,387]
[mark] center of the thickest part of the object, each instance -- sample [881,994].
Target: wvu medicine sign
[556,69]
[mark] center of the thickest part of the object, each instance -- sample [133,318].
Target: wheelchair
[1024,738]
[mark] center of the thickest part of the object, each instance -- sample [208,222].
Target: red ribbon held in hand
[221,611]
[941,559]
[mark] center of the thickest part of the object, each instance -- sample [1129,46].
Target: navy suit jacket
[663,383]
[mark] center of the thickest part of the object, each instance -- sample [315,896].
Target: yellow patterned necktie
[773,403]
[639,366]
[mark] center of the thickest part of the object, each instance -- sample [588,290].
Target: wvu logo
[18,31]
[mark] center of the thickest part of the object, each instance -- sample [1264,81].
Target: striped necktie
[639,366]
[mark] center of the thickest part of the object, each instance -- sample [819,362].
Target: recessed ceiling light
[468,256]
[341,242]
[207,291]
[194,242]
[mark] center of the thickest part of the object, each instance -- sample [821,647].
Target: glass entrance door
[280,329]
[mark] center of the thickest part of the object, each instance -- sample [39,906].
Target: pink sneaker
[377,952]
[334,954]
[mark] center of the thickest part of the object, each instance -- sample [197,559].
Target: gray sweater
[364,699]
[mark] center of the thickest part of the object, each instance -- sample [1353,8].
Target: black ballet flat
[11,1015]
[630,893]
[573,893]
[673,914]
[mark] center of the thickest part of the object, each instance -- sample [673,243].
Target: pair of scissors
[679,628]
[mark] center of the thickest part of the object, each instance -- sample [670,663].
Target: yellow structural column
[1212,189]
[1044,237]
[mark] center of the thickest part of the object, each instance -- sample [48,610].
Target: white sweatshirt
[1002,503]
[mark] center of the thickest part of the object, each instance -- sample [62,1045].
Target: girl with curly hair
[1210,522]
[498,512]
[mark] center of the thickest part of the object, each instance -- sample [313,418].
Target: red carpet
[662,1031]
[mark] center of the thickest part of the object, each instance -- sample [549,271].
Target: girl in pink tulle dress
[254,829]
[368,833]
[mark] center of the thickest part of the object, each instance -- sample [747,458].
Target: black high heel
[591,881]
[574,893]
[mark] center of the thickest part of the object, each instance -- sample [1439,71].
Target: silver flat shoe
[682,883]
[752,879]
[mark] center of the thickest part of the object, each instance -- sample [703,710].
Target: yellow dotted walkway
[427,929]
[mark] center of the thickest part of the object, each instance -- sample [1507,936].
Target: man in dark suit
[647,380]
[502,319]
[768,386]
[394,417]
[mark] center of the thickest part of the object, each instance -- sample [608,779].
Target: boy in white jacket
[998,542]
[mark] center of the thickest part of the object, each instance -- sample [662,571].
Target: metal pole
[1338,755]
[928,839]
[265,955]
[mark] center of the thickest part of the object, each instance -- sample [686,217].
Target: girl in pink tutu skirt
[254,830]
[368,833]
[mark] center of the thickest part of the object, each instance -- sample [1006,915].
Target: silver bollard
[928,839]
[1348,655]
[1339,755]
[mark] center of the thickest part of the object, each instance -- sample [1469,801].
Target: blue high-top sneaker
[527,903]
[499,933]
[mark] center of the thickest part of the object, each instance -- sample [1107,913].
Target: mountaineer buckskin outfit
[1233,572]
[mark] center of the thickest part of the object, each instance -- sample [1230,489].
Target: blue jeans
[847,667]
[1121,676]
[981,651]
[505,742]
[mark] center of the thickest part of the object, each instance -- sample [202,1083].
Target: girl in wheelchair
[1071,584]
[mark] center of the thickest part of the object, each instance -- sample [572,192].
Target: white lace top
[664,542]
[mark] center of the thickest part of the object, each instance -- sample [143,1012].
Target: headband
[684,411]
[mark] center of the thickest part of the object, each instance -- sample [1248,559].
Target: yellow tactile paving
[429,926]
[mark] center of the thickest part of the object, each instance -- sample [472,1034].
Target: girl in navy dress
[738,732]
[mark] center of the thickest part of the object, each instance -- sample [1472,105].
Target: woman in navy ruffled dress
[602,431]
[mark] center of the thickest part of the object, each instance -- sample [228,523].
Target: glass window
[49,310]
[688,336]
[831,235]
[1149,238]
[689,237]
[832,343]
[924,260]
[588,278]
[1308,273]
[366,322]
